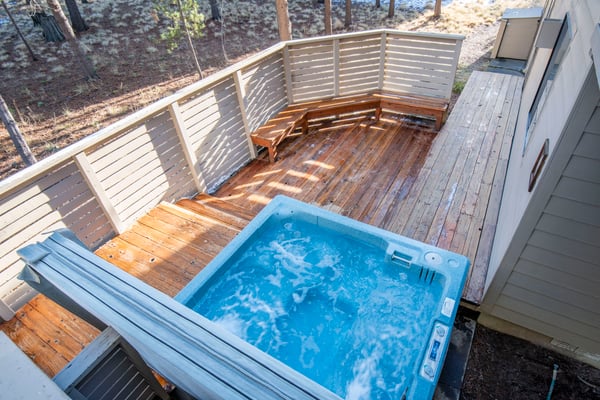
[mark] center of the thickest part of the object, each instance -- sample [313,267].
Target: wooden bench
[295,116]
[415,105]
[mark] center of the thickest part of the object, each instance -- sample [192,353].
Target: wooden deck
[397,174]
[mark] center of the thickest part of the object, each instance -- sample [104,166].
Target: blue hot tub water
[362,312]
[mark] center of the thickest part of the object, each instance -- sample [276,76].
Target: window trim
[552,69]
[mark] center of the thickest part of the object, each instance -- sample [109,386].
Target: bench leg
[439,120]
[377,114]
[272,153]
[304,126]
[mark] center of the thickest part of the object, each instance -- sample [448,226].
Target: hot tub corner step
[453,372]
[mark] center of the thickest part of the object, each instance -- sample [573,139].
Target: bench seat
[296,116]
[415,105]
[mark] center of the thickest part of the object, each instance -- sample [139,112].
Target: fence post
[454,67]
[288,74]
[100,195]
[188,152]
[336,67]
[382,53]
[241,95]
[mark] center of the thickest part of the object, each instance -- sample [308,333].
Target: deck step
[217,209]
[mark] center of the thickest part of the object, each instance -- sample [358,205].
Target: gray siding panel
[581,232]
[578,190]
[537,320]
[561,262]
[587,145]
[553,287]
[584,168]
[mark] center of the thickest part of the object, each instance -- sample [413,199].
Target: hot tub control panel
[435,348]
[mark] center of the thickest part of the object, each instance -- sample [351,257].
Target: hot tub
[361,311]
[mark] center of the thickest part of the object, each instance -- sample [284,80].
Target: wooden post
[15,134]
[96,188]
[241,94]
[336,67]
[188,152]
[382,53]
[458,45]
[289,88]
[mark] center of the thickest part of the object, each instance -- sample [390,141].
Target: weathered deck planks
[396,173]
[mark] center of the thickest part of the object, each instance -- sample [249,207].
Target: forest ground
[54,106]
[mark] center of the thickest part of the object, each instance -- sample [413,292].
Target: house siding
[553,288]
[545,264]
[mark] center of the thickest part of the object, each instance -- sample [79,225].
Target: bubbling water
[328,306]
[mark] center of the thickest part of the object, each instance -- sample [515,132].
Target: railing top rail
[374,32]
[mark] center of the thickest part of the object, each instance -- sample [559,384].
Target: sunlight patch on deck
[284,187]
[257,198]
[303,175]
[318,164]
[250,184]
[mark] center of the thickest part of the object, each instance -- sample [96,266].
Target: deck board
[396,173]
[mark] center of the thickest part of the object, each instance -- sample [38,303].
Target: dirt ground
[504,367]
[54,107]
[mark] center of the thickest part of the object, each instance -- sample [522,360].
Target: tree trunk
[437,11]
[328,28]
[77,21]
[392,9]
[283,20]
[378,3]
[348,17]
[15,134]
[189,36]
[33,57]
[50,29]
[76,46]
[214,10]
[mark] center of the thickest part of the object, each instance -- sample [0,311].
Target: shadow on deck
[397,174]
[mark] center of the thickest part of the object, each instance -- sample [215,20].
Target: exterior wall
[544,263]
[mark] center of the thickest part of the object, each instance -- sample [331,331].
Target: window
[560,48]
